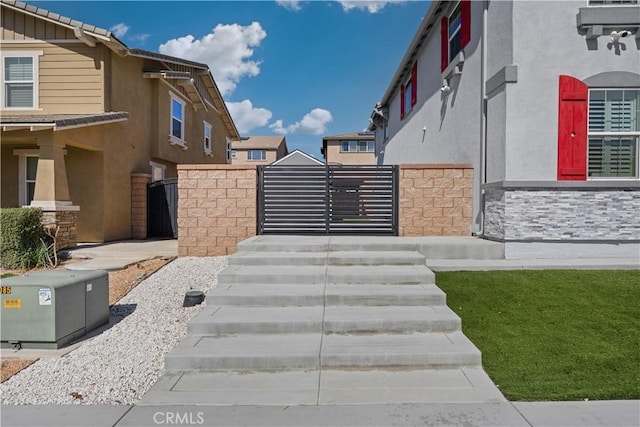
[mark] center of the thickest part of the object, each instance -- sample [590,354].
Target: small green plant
[24,242]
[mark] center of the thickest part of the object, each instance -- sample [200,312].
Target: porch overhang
[59,122]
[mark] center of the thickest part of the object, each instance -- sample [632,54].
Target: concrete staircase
[307,321]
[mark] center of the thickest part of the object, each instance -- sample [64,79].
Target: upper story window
[613,133]
[357,146]
[455,32]
[20,80]
[409,92]
[257,155]
[207,138]
[455,27]
[176,130]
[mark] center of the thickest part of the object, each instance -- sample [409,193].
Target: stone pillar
[139,183]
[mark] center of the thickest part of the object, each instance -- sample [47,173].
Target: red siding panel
[465,30]
[572,129]
[444,43]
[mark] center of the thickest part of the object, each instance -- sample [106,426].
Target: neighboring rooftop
[259,142]
[352,135]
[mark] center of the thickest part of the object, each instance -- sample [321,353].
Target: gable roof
[297,157]
[90,34]
[260,143]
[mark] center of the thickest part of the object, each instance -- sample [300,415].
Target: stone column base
[66,222]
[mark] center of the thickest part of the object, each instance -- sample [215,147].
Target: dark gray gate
[328,200]
[162,208]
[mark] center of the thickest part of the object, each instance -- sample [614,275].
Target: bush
[24,243]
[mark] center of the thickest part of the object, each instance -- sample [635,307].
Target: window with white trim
[31,169]
[207,138]
[20,80]
[408,106]
[614,131]
[257,155]
[234,154]
[455,31]
[229,157]
[176,129]
[357,146]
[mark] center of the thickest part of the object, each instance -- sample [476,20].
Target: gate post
[139,183]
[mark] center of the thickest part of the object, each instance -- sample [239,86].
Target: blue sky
[302,69]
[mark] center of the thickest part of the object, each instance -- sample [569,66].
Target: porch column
[51,192]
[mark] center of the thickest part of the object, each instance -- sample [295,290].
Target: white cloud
[369,6]
[226,50]
[246,117]
[289,4]
[139,37]
[119,30]
[314,122]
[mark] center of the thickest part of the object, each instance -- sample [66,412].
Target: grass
[553,334]
[6,275]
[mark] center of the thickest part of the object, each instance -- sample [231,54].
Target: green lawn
[553,334]
[5,275]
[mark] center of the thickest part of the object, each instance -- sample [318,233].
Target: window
[357,146]
[256,155]
[455,26]
[20,80]
[614,130]
[207,138]
[409,93]
[176,130]
[234,154]
[455,32]
[228,149]
[31,168]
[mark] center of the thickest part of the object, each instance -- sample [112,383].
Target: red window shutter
[414,84]
[401,102]
[465,30]
[444,43]
[572,129]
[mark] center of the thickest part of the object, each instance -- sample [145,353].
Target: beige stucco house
[356,148]
[258,150]
[85,119]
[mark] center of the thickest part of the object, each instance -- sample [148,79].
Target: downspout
[483,112]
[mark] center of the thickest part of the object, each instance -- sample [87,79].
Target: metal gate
[162,208]
[328,200]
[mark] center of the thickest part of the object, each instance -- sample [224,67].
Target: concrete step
[245,352]
[381,274]
[314,387]
[389,319]
[330,258]
[417,350]
[257,320]
[309,275]
[332,319]
[260,352]
[284,244]
[263,294]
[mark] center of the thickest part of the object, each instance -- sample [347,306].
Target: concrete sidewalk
[620,413]
[113,256]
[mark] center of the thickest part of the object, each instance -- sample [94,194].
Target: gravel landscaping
[121,364]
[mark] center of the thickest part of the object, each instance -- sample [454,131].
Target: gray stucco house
[543,99]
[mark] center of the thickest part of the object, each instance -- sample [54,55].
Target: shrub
[24,242]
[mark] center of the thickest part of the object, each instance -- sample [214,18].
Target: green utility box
[49,309]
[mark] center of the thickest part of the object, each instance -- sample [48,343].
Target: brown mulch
[120,283]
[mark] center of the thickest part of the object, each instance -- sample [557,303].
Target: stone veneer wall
[139,183]
[436,199]
[67,222]
[562,213]
[216,208]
